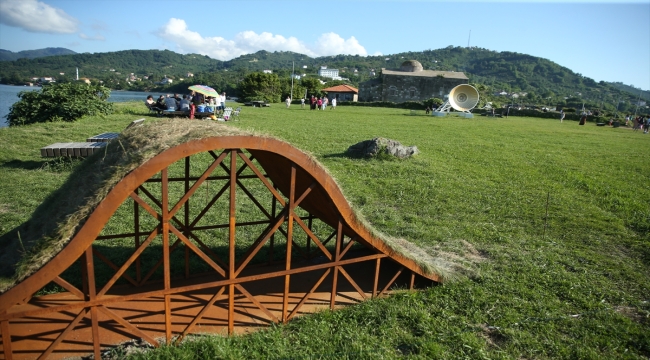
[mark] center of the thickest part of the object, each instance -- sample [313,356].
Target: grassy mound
[64,212]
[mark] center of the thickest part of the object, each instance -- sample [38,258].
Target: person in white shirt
[333,104]
[223,101]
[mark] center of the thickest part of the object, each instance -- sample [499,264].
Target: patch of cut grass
[570,284]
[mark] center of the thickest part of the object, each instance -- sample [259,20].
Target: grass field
[549,224]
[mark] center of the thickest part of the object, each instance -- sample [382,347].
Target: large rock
[371,148]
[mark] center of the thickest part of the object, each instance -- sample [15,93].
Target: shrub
[433,103]
[260,86]
[60,102]
[542,114]
[413,105]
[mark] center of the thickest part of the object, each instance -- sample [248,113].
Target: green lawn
[570,284]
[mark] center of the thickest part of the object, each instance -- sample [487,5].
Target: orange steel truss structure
[184,271]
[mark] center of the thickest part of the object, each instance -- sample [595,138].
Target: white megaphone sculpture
[462,98]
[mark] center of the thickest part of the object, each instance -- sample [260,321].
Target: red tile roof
[342,89]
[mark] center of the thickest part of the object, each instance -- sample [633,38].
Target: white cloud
[97,37]
[333,44]
[36,16]
[177,32]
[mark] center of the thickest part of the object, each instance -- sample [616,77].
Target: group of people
[638,123]
[315,103]
[186,102]
[319,103]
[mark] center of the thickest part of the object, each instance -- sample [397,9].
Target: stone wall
[370,90]
[401,88]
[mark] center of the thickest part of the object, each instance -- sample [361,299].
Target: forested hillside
[112,67]
[642,94]
[6,55]
[535,80]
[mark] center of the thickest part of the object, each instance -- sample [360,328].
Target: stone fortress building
[410,83]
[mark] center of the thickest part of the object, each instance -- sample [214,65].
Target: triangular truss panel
[215,235]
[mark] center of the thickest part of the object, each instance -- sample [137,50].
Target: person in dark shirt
[160,103]
[197,99]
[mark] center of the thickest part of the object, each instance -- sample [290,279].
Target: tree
[60,102]
[261,86]
[333,83]
[298,90]
[312,85]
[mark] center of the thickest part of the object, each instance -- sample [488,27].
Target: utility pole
[637,102]
[293,66]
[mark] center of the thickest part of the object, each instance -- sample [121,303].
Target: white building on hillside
[328,73]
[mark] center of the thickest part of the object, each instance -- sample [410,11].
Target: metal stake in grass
[20,240]
[548,196]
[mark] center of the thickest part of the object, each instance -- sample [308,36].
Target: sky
[603,40]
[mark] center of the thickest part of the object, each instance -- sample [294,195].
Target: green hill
[6,55]
[642,94]
[536,80]
[112,68]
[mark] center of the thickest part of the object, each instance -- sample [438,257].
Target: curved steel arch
[303,183]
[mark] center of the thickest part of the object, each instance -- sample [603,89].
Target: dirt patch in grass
[634,314]
[492,336]
[4,208]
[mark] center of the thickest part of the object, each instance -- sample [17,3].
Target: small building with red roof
[342,93]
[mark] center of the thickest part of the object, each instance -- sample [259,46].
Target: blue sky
[603,40]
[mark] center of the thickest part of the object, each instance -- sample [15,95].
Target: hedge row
[542,114]
[413,105]
[416,105]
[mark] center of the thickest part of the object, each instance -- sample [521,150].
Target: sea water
[9,95]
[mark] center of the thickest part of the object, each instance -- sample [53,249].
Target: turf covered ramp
[189,227]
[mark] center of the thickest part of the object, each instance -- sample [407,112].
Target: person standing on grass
[646,125]
[333,104]
[319,103]
[302,103]
[562,115]
[312,103]
[325,101]
[288,102]
[583,119]
[222,99]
